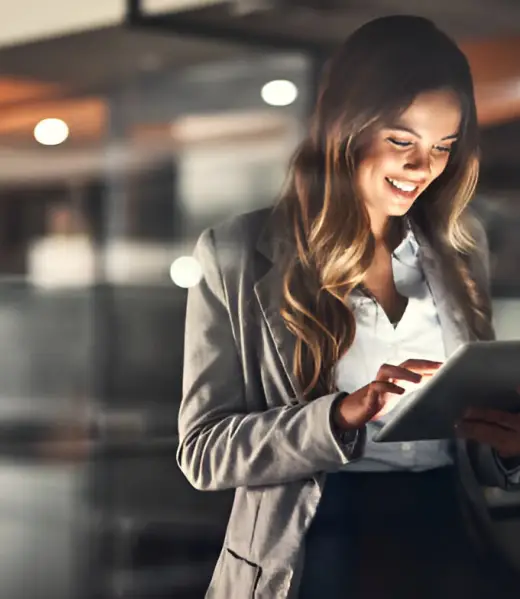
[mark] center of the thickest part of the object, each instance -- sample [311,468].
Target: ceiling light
[186,272]
[279,92]
[51,132]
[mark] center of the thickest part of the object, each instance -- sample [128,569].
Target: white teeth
[402,186]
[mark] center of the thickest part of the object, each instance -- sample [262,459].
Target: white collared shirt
[377,341]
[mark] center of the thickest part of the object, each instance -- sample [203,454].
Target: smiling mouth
[407,190]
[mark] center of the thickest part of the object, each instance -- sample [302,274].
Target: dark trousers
[395,536]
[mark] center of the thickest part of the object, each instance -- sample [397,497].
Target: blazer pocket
[238,576]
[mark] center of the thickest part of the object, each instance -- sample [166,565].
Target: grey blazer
[242,424]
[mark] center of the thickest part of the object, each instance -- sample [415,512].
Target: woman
[311,321]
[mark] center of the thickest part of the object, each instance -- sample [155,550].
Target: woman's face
[403,158]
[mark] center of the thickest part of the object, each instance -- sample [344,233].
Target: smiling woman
[312,321]
[394,133]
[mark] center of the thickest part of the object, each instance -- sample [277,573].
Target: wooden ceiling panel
[85,117]
[496,70]
[14,90]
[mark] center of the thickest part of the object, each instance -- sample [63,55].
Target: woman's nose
[418,162]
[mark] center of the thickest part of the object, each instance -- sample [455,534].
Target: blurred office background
[127,127]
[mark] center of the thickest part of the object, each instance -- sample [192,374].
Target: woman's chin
[398,210]
[400,207]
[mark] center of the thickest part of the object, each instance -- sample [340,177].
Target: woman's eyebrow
[406,129]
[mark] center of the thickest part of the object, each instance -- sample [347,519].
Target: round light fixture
[186,272]
[51,132]
[279,92]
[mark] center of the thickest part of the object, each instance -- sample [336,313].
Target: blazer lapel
[454,328]
[269,294]
[455,332]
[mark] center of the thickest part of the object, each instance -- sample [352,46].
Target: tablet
[482,374]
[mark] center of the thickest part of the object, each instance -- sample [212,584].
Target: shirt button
[406,446]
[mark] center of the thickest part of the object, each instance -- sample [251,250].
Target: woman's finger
[507,443]
[383,397]
[380,387]
[421,366]
[387,403]
[397,373]
[501,418]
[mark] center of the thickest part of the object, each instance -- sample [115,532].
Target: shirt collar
[409,241]
[408,251]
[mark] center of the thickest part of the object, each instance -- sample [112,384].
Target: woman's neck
[388,233]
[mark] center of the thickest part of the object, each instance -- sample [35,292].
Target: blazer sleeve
[223,443]
[487,464]
[489,468]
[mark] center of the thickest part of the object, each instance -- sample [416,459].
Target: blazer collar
[453,324]
[275,239]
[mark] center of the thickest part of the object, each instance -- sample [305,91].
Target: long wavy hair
[373,77]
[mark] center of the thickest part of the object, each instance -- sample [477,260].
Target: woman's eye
[399,143]
[446,149]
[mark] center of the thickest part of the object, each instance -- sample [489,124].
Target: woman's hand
[382,395]
[500,430]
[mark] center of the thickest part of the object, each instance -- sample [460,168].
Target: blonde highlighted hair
[375,75]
